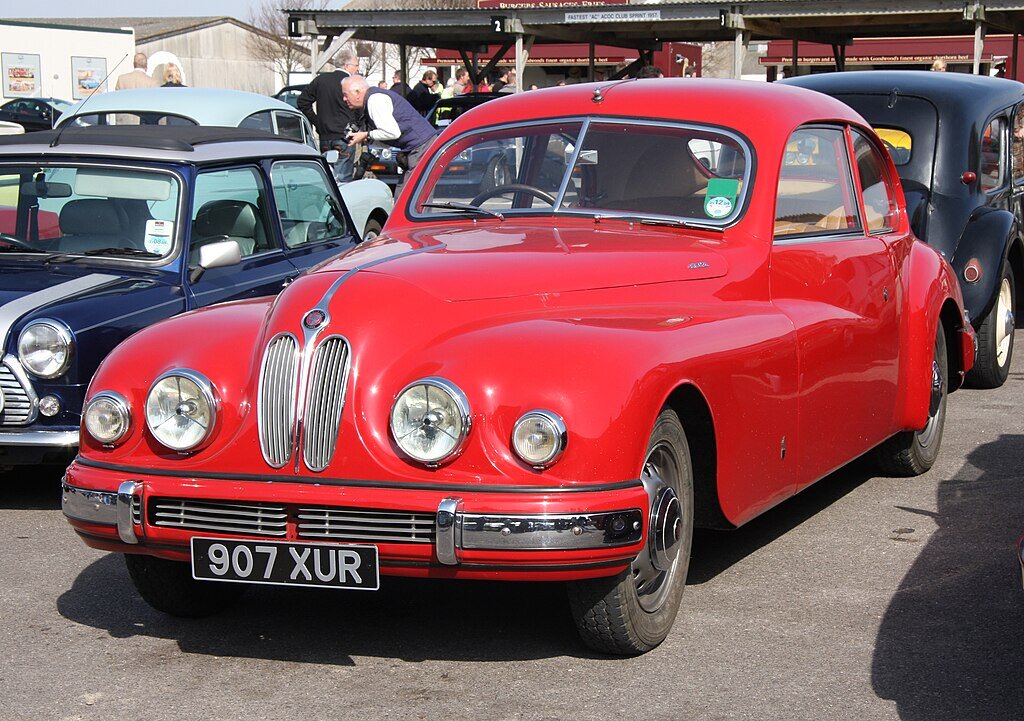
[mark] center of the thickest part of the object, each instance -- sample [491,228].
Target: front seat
[220,220]
[91,224]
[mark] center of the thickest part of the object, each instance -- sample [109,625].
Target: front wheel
[168,586]
[911,453]
[633,612]
[995,338]
[372,230]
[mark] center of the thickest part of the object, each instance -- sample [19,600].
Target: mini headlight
[181,409]
[430,420]
[107,417]
[44,348]
[539,437]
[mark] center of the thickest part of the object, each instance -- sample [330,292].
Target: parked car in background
[555,378]
[115,228]
[7,128]
[33,113]
[958,144]
[369,202]
[290,94]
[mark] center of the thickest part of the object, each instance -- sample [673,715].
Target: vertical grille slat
[324,402]
[276,399]
[19,397]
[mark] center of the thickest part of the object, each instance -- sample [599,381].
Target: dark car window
[230,205]
[141,117]
[815,193]
[993,152]
[879,202]
[1017,144]
[258,121]
[898,142]
[289,125]
[303,195]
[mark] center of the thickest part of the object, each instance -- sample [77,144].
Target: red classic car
[664,319]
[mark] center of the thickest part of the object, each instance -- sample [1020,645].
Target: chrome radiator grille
[18,406]
[259,519]
[276,399]
[363,525]
[324,401]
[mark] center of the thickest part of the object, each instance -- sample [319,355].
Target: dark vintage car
[958,144]
[113,229]
[33,113]
[555,380]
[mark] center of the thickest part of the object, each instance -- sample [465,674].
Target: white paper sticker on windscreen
[159,236]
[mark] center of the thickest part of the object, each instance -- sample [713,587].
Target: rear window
[898,142]
[131,118]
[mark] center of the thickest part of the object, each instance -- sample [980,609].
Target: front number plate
[279,563]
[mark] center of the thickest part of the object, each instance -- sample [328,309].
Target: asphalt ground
[863,598]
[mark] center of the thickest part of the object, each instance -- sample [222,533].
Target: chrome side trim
[125,511]
[447,529]
[551,532]
[83,504]
[47,439]
[11,312]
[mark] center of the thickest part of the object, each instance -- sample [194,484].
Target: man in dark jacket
[333,119]
[422,95]
[502,80]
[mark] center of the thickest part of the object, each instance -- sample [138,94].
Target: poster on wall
[87,75]
[20,75]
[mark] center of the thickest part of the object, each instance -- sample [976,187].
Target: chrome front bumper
[45,439]
[103,507]
[456,530]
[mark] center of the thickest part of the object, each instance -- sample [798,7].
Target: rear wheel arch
[952,323]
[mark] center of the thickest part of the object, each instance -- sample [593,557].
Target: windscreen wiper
[670,222]
[126,252]
[464,207]
[17,245]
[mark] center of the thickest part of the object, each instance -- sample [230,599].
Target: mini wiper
[466,207]
[126,252]
[17,245]
[678,223]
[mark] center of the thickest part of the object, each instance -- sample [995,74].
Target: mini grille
[324,401]
[17,403]
[362,525]
[259,519]
[276,400]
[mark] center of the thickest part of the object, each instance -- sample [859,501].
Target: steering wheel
[16,242]
[513,188]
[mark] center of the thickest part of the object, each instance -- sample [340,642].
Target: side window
[258,121]
[993,152]
[231,205]
[879,199]
[308,211]
[289,125]
[815,195]
[1017,144]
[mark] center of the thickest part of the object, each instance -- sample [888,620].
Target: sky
[140,8]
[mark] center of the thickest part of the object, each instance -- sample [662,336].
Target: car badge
[314,319]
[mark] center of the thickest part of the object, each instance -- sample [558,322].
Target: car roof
[976,93]
[193,144]
[205,106]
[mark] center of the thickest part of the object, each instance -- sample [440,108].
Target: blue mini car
[106,230]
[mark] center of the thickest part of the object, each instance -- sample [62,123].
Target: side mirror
[221,254]
[331,156]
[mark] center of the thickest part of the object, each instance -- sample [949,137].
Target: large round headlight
[44,348]
[430,420]
[107,417]
[539,438]
[181,409]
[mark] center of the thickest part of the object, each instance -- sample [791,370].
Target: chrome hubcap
[1004,322]
[928,433]
[656,566]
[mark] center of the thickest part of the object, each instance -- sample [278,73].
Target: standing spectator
[502,81]
[392,121]
[650,71]
[459,86]
[172,77]
[382,84]
[398,85]
[137,78]
[509,87]
[939,65]
[332,118]
[422,95]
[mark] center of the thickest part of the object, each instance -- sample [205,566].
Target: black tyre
[168,586]
[495,174]
[372,229]
[911,453]
[633,612]
[995,337]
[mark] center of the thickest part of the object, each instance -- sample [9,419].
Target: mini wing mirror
[220,254]
[331,156]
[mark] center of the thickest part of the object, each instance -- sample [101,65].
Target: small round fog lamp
[49,406]
[539,438]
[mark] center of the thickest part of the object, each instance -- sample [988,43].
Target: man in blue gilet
[392,120]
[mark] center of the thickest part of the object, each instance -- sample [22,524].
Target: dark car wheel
[911,453]
[995,338]
[168,586]
[372,229]
[633,612]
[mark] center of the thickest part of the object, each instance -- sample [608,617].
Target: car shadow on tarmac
[950,643]
[31,488]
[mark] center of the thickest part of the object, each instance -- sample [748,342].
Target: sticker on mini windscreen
[721,197]
[159,236]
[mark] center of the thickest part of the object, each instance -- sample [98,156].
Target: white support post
[739,47]
[979,45]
